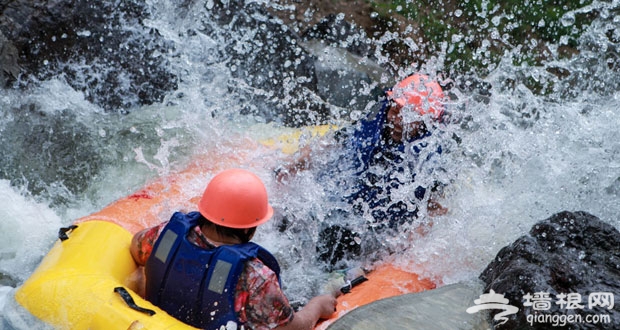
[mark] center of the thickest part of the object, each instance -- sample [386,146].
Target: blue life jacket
[194,284]
[366,140]
[366,147]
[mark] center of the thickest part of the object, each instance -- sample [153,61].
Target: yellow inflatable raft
[76,284]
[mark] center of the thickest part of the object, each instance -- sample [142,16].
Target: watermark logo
[542,301]
[494,300]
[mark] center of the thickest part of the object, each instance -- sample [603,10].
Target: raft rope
[131,303]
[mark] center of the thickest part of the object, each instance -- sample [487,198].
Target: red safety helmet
[235,198]
[420,92]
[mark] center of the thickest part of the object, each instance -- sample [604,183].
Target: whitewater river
[512,157]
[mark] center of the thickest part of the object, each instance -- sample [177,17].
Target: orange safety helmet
[421,92]
[235,198]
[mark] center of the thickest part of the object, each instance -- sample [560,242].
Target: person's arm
[262,304]
[301,162]
[142,243]
[140,249]
[319,307]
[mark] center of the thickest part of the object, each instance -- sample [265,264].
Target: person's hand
[282,173]
[334,285]
[435,209]
[300,163]
[326,305]
[319,307]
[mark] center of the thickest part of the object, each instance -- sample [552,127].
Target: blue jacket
[193,284]
[375,163]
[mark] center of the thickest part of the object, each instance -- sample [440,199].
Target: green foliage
[478,33]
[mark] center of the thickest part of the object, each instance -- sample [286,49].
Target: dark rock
[104,49]
[334,30]
[9,69]
[262,51]
[49,151]
[99,47]
[569,253]
[345,68]
[7,280]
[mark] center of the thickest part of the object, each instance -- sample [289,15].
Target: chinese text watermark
[542,301]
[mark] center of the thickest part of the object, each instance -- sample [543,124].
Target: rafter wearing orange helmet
[201,267]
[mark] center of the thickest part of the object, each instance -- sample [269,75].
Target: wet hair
[243,234]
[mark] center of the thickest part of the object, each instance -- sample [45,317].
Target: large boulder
[49,152]
[440,309]
[9,69]
[346,74]
[297,78]
[106,50]
[564,274]
[102,48]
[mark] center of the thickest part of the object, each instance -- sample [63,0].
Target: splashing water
[512,157]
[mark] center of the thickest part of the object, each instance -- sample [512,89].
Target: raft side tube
[74,286]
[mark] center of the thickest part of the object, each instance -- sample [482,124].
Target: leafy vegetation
[476,34]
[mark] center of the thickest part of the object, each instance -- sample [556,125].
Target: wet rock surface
[9,69]
[441,309]
[266,54]
[7,280]
[48,151]
[101,48]
[568,264]
[106,50]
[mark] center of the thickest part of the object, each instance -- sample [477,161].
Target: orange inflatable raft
[84,282]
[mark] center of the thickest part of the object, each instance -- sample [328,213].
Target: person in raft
[201,267]
[380,155]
